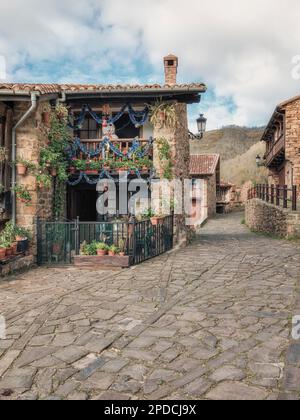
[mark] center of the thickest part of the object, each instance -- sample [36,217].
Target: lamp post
[201,124]
[259,162]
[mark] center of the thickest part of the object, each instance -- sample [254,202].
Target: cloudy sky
[242,50]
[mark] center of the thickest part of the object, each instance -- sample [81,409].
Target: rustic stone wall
[31,138]
[292,148]
[212,196]
[178,139]
[267,218]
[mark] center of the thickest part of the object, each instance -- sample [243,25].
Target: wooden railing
[279,195]
[275,149]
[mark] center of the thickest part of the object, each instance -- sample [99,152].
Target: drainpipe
[14,146]
[62,99]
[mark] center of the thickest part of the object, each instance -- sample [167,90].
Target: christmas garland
[138,118]
[84,177]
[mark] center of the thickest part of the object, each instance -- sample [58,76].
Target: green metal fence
[59,242]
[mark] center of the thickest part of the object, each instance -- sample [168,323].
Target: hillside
[238,148]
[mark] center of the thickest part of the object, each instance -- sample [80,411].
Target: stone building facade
[282,137]
[32,135]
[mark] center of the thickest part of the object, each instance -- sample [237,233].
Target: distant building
[282,138]
[207,168]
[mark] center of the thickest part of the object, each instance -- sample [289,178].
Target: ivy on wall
[165,158]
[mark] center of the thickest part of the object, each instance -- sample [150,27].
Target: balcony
[276,153]
[91,157]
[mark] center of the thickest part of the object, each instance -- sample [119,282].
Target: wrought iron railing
[60,242]
[279,195]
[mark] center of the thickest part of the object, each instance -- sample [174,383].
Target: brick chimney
[171,65]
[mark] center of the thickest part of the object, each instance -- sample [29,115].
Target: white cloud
[241,49]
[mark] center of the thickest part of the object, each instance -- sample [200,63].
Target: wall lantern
[201,124]
[260,162]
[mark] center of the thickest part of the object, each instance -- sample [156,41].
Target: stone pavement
[212,321]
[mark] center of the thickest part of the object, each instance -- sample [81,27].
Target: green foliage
[102,246]
[44,181]
[22,194]
[29,165]
[89,249]
[165,157]
[11,232]
[114,249]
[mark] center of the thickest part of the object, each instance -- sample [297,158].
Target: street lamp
[260,162]
[201,124]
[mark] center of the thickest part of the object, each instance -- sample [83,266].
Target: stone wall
[292,148]
[267,218]
[179,141]
[31,138]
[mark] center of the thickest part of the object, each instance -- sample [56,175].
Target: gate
[59,242]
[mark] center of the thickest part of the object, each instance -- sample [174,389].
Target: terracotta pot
[21,169]
[91,172]
[154,221]
[111,253]
[9,252]
[15,248]
[2,253]
[101,252]
[122,254]
[46,117]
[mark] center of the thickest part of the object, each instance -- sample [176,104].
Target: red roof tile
[85,88]
[203,164]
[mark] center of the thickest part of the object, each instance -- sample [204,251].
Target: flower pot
[101,252]
[122,254]
[9,252]
[2,253]
[155,221]
[15,248]
[91,172]
[21,169]
[46,117]
[111,254]
[22,245]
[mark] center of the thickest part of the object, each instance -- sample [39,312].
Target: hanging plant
[165,158]
[163,114]
[46,115]
[23,166]
[22,194]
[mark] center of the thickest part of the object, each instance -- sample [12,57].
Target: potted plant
[113,250]
[80,165]
[3,247]
[22,166]
[122,247]
[93,167]
[22,194]
[9,249]
[102,249]
[22,237]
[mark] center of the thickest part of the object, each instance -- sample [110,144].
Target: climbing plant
[53,156]
[165,158]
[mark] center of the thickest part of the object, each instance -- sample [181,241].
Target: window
[89,130]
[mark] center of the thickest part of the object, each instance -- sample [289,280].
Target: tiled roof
[203,164]
[15,88]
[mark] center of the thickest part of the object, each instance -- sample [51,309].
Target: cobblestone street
[212,321]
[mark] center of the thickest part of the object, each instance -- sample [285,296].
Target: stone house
[207,169]
[24,132]
[282,138]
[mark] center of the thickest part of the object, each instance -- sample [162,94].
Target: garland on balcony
[78,146]
[84,177]
[138,118]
